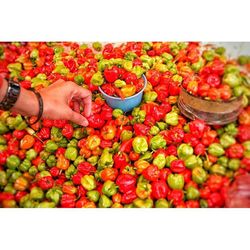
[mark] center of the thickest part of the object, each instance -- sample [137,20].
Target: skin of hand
[56,99]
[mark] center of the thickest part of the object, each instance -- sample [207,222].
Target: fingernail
[85,123]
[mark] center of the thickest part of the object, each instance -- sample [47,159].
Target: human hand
[56,99]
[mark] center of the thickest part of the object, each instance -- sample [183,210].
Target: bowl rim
[212,101]
[127,98]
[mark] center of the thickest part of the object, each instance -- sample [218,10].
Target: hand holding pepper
[56,100]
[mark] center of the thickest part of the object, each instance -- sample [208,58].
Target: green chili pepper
[33,170]
[93,159]
[157,142]
[3,147]
[147,156]
[3,179]
[203,203]
[148,60]
[109,188]
[192,193]
[10,189]
[51,146]
[51,161]
[191,161]
[161,125]
[3,128]
[184,151]
[223,161]
[106,159]
[176,181]
[130,56]
[97,46]
[44,155]
[238,90]
[103,64]
[232,79]
[216,149]
[97,79]
[127,65]
[93,195]
[31,154]
[220,50]
[160,161]
[70,171]
[231,129]
[2,140]
[162,203]
[197,65]
[56,134]
[117,112]
[13,162]
[36,193]
[14,176]
[218,169]
[147,45]
[88,182]
[79,79]
[234,164]
[171,118]
[25,165]
[154,130]
[199,175]
[119,83]
[208,55]
[138,115]
[78,133]
[104,202]
[131,205]
[227,140]
[140,144]
[140,203]
[168,57]
[46,204]
[78,160]
[71,153]
[230,68]
[126,135]
[150,96]
[54,194]
[42,167]
[246,145]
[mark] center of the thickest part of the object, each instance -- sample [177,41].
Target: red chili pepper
[126,182]
[54,171]
[6,196]
[19,134]
[44,133]
[68,131]
[191,139]
[68,201]
[171,150]
[245,163]
[81,191]
[19,195]
[46,182]
[111,74]
[126,146]
[199,149]
[47,123]
[86,168]
[175,135]
[197,128]
[96,121]
[60,151]
[153,76]
[177,166]
[76,178]
[151,173]
[208,137]
[243,133]
[235,151]
[129,197]
[60,123]
[120,160]
[106,144]
[160,189]
[187,174]
[214,182]
[176,196]
[38,160]
[192,204]
[216,200]
[141,129]
[164,173]
[3,157]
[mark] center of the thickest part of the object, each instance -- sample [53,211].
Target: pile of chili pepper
[150,157]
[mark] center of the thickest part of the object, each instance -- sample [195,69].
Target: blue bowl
[126,104]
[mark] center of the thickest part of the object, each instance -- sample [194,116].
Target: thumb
[78,118]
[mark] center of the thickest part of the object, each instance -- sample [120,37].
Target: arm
[56,99]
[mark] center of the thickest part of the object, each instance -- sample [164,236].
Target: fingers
[76,106]
[77,118]
[86,97]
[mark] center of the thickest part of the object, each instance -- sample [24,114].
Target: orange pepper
[21,183]
[85,152]
[116,198]
[62,162]
[141,165]
[89,204]
[97,151]
[27,142]
[117,205]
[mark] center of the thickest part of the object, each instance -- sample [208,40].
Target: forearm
[26,104]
